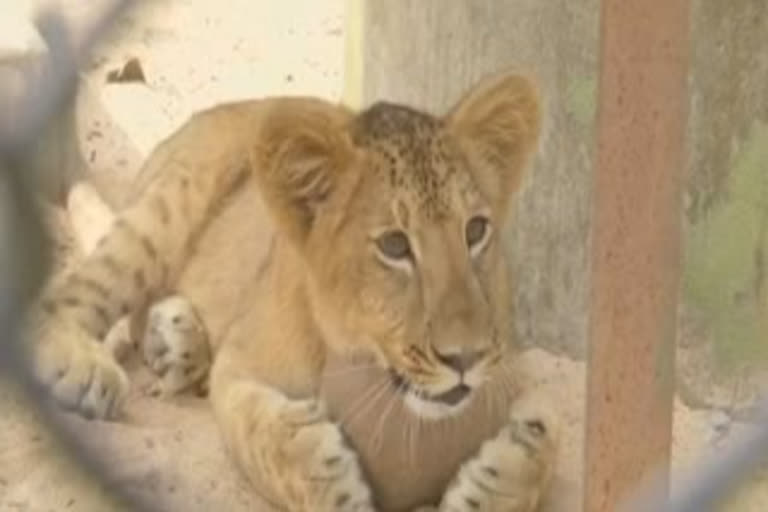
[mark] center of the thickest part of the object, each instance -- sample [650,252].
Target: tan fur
[264,215]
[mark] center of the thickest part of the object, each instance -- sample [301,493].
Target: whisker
[374,399]
[508,373]
[511,381]
[373,389]
[377,437]
[488,393]
[409,441]
[414,434]
[441,426]
[505,391]
[494,391]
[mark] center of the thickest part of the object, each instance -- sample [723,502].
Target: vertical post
[636,256]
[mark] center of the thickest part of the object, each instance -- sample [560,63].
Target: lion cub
[292,232]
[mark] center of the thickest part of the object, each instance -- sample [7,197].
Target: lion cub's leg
[90,216]
[68,357]
[512,470]
[288,449]
[291,452]
[174,342]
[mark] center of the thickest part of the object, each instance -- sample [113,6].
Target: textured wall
[727,196]
[554,41]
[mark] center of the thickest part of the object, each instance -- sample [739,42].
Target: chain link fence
[26,260]
[25,263]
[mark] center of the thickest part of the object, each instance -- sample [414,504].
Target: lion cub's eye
[476,231]
[394,245]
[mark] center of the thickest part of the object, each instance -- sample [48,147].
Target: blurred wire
[57,82]
[715,479]
[25,262]
[25,259]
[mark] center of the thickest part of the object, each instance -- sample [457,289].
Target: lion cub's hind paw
[175,346]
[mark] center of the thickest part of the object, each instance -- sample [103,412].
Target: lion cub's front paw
[175,345]
[80,374]
[326,470]
[309,461]
[512,470]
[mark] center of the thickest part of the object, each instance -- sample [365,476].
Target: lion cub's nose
[461,361]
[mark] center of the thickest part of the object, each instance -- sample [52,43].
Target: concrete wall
[727,195]
[443,47]
[443,50]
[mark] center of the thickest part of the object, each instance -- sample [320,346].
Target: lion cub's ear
[305,152]
[497,123]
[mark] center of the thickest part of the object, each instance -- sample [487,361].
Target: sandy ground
[169,452]
[195,53]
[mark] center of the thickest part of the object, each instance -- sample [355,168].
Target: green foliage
[581,99]
[727,257]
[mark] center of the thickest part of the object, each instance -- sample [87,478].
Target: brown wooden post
[636,254]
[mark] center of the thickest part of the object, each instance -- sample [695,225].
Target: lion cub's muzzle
[451,397]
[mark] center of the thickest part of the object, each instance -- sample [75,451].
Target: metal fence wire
[26,256]
[25,263]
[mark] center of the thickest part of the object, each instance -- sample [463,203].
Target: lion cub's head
[399,216]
